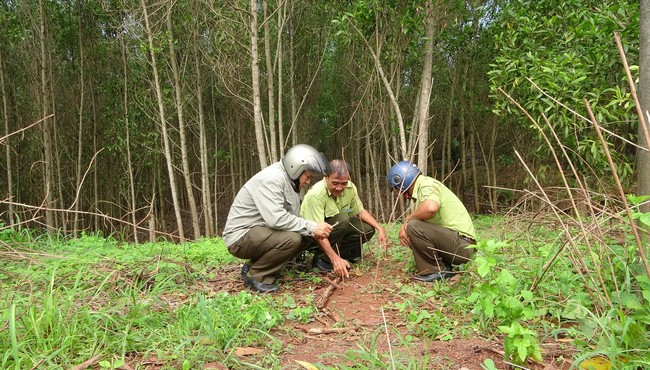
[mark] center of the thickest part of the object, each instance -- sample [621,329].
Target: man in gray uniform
[264,225]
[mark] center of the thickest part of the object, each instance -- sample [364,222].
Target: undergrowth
[68,301]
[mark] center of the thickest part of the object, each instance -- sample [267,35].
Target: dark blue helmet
[402,175]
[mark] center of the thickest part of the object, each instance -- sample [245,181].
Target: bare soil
[360,313]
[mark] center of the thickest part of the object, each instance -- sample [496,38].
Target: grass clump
[94,298]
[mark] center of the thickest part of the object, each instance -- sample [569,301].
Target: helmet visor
[317,165]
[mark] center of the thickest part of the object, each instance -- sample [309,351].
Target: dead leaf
[246,351]
[596,363]
[214,366]
[306,365]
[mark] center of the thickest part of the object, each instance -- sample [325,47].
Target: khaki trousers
[268,250]
[436,248]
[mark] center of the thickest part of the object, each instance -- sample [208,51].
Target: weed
[302,314]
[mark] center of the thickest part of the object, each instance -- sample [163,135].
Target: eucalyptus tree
[163,120]
[643,157]
[180,110]
[6,142]
[256,89]
[47,127]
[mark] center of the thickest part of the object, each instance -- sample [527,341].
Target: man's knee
[295,241]
[369,232]
[342,218]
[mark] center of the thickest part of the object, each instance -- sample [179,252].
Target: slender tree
[206,195]
[270,82]
[6,142]
[48,145]
[80,127]
[255,76]
[643,156]
[180,111]
[163,123]
[425,90]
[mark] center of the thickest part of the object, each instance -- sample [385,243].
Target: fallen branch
[321,302]
[86,364]
[330,330]
[333,283]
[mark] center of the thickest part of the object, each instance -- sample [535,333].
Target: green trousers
[436,248]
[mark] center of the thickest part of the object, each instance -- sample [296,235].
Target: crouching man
[264,225]
[439,229]
[336,201]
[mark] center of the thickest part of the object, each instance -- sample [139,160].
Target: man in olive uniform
[335,200]
[264,225]
[439,229]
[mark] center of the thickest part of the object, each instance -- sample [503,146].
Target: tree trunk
[255,74]
[185,162]
[129,159]
[446,140]
[396,109]
[643,156]
[95,150]
[292,78]
[203,144]
[80,136]
[492,167]
[463,144]
[163,124]
[282,16]
[6,143]
[425,92]
[46,126]
[270,84]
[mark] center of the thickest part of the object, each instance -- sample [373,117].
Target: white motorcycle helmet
[303,157]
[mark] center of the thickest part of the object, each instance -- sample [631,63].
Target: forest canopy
[148,116]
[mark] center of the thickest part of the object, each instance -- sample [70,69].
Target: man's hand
[322,231]
[403,236]
[341,267]
[383,239]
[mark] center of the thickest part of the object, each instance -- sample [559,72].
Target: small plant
[488,364]
[520,343]
[296,313]
[113,364]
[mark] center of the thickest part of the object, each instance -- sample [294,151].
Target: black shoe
[259,287]
[434,277]
[244,269]
[321,265]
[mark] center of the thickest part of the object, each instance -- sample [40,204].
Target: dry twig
[321,301]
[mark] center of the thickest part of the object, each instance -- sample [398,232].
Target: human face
[336,183]
[306,178]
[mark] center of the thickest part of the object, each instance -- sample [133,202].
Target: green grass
[66,301]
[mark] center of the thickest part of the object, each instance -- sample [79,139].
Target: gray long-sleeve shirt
[267,199]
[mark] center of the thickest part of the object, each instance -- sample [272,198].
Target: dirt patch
[360,323]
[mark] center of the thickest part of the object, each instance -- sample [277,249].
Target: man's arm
[425,211]
[368,218]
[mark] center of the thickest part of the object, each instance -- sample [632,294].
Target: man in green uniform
[264,225]
[439,229]
[336,201]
